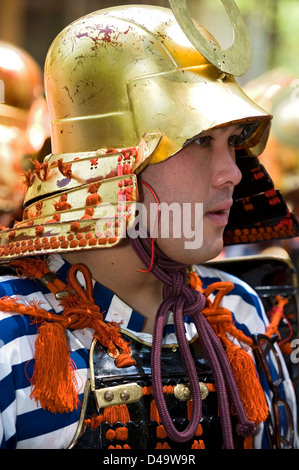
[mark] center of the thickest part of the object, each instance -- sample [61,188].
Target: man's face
[200,180]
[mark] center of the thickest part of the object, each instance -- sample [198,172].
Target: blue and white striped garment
[23,423]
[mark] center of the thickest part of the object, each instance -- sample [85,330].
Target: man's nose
[227,171]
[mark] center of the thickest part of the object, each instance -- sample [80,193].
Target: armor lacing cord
[275,315]
[55,384]
[111,415]
[181,300]
[120,414]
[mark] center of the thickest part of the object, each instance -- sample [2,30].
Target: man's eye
[234,140]
[204,141]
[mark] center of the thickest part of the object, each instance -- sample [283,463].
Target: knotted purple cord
[182,300]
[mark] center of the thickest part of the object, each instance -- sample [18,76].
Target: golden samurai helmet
[126,87]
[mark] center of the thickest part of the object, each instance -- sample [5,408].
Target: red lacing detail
[197,443]
[272,197]
[65,168]
[111,415]
[41,170]
[62,204]
[120,414]
[247,204]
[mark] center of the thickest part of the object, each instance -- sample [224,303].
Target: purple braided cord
[182,300]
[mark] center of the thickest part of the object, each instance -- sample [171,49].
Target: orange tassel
[53,382]
[250,389]
[241,362]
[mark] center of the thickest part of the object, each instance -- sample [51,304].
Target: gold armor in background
[23,124]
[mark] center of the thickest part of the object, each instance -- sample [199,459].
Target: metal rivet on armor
[129,393]
[61,294]
[47,278]
[108,396]
[204,390]
[124,395]
[183,393]
[187,393]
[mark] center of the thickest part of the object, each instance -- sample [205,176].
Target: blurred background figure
[278,92]
[24,126]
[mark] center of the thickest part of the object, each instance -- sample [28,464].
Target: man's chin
[190,256]
[208,252]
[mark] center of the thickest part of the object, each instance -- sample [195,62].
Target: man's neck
[119,269]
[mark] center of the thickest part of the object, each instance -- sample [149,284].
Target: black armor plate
[141,428]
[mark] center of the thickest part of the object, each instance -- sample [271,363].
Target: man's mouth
[219,215]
